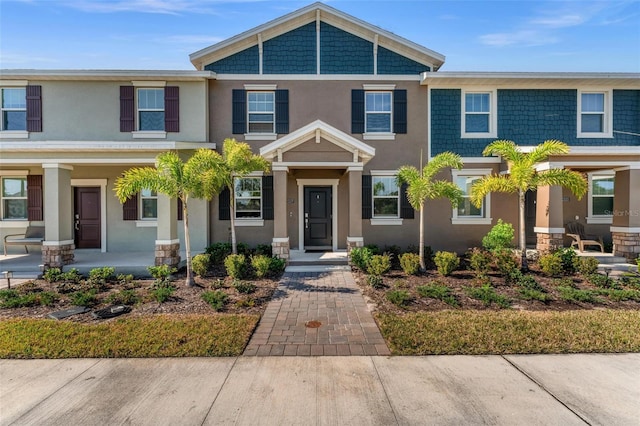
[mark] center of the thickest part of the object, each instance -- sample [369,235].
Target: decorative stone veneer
[168,254]
[281,249]
[626,244]
[58,256]
[549,242]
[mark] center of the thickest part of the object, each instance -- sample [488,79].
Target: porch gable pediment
[315,133]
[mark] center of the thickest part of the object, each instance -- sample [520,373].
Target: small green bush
[394,251]
[410,263]
[379,264]
[480,261]
[551,264]
[124,297]
[125,280]
[487,295]
[100,276]
[11,298]
[373,248]
[375,281]
[200,264]
[162,272]
[398,297]
[84,298]
[619,295]
[162,291]
[499,237]
[261,265]
[602,281]
[277,265]
[244,287]
[216,299]
[52,275]
[360,257]
[531,294]
[243,248]
[438,291]
[446,262]
[568,257]
[71,276]
[573,295]
[528,282]
[264,249]
[586,265]
[246,303]
[506,263]
[218,252]
[236,265]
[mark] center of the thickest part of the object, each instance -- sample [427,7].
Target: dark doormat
[68,312]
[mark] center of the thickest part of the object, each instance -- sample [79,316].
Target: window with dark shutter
[239,113]
[180,214]
[127,109]
[34,108]
[224,203]
[171,109]
[406,210]
[282,111]
[267,197]
[357,111]
[130,209]
[34,197]
[400,111]
[366,197]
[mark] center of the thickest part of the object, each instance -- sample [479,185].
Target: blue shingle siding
[291,53]
[344,53]
[529,117]
[391,63]
[244,62]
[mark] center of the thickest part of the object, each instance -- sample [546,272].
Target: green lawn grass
[161,336]
[511,332]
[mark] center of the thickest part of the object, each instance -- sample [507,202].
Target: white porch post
[354,238]
[167,242]
[58,247]
[280,243]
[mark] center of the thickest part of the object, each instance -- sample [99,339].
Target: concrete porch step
[603,258]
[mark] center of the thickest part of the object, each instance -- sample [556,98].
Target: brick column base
[56,256]
[549,242]
[626,244]
[168,254]
[280,248]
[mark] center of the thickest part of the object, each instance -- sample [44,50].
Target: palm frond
[202,174]
[505,148]
[570,179]
[407,174]
[135,180]
[546,149]
[446,189]
[440,162]
[488,184]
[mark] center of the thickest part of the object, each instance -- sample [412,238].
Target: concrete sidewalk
[509,390]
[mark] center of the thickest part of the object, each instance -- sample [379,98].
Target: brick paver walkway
[317,313]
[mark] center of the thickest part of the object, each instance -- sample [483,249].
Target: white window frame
[485,219]
[607,120]
[493,113]
[252,88]
[3,198]
[147,134]
[141,199]
[385,220]
[598,219]
[379,88]
[12,134]
[248,221]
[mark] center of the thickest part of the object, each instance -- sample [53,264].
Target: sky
[506,35]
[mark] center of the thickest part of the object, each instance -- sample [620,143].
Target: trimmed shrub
[568,257]
[506,263]
[374,249]
[410,263]
[487,295]
[394,252]
[480,261]
[277,265]
[530,294]
[200,264]
[218,252]
[379,264]
[375,281]
[11,298]
[264,249]
[499,237]
[52,275]
[216,299]
[261,265]
[244,287]
[124,297]
[529,283]
[162,291]
[446,262]
[84,298]
[360,257]
[243,248]
[573,295]
[100,276]
[551,264]
[586,265]
[438,291]
[602,281]
[398,297]
[236,265]
[162,272]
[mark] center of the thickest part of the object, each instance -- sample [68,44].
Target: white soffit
[530,79]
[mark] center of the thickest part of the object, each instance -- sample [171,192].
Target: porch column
[58,246]
[549,220]
[280,242]
[167,242]
[625,229]
[354,238]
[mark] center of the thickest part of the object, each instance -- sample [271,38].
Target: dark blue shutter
[239,113]
[127,109]
[130,209]
[366,197]
[180,213]
[400,111]
[267,197]
[171,109]
[34,197]
[357,111]
[34,108]
[224,203]
[282,111]
[406,210]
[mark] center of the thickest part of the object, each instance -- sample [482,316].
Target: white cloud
[521,38]
[171,7]
[560,21]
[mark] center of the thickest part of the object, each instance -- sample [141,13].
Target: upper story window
[467,213]
[148,204]
[594,114]
[261,112]
[378,112]
[151,109]
[601,191]
[14,198]
[14,108]
[479,118]
[386,200]
[248,198]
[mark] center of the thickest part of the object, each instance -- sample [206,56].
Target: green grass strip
[162,336]
[511,332]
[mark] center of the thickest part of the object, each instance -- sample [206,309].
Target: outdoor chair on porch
[575,230]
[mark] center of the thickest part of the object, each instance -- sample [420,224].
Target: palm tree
[198,177]
[238,161]
[523,177]
[422,186]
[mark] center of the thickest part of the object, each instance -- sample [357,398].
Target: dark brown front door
[87,217]
[317,218]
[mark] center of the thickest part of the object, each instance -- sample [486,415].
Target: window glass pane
[149,208]
[378,123]
[151,120]
[603,206]
[14,120]
[151,98]
[378,101]
[261,101]
[148,193]
[14,187]
[465,208]
[15,209]
[385,207]
[262,118]
[476,102]
[602,185]
[593,102]
[476,123]
[385,186]
[14,98]
[593,123]
[248,187]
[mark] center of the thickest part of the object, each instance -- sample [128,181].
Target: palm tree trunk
[232,216]
[521,227]
[189,281]
[423,266]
